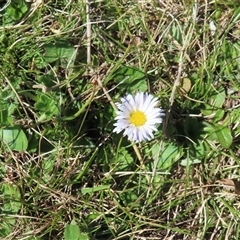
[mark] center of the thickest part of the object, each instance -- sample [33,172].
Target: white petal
[141,102]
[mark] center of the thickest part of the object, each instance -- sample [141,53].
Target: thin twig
[16,94]
[89,32]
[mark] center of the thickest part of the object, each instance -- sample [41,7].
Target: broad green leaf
[208,131]
[72,232]
[123,160]
[14,137]
[224,136]
[166,155]
[47,106]
[46,79]
[130,195]
[46,103]
[212,112]
[213,109]
[219,98]
[198,149]
[11,196]
[60,51]
[84,236]
[130,79]
[6,226]
[207,110]
[219,114]
[15,11]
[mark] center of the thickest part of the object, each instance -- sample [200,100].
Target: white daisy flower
[138,116]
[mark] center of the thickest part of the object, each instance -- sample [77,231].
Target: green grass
[65,174]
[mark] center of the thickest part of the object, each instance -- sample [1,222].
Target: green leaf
[208,131]
[47,106]
[14,137]
[176,32]
[72,232]
[219,98]
[207,110]
[84,236]
[47,167]
[4,116]
[130,195]
[188,162]
[15,11]
[6,108]
[95,189]
[7,224]
[11,196]
[224,136]
[198,149]
[123,160]
[213,109]
[219,114]
[166,155]
[60,51]
[10,205]
[130,79]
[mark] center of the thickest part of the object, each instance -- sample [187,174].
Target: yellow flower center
[137,118]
